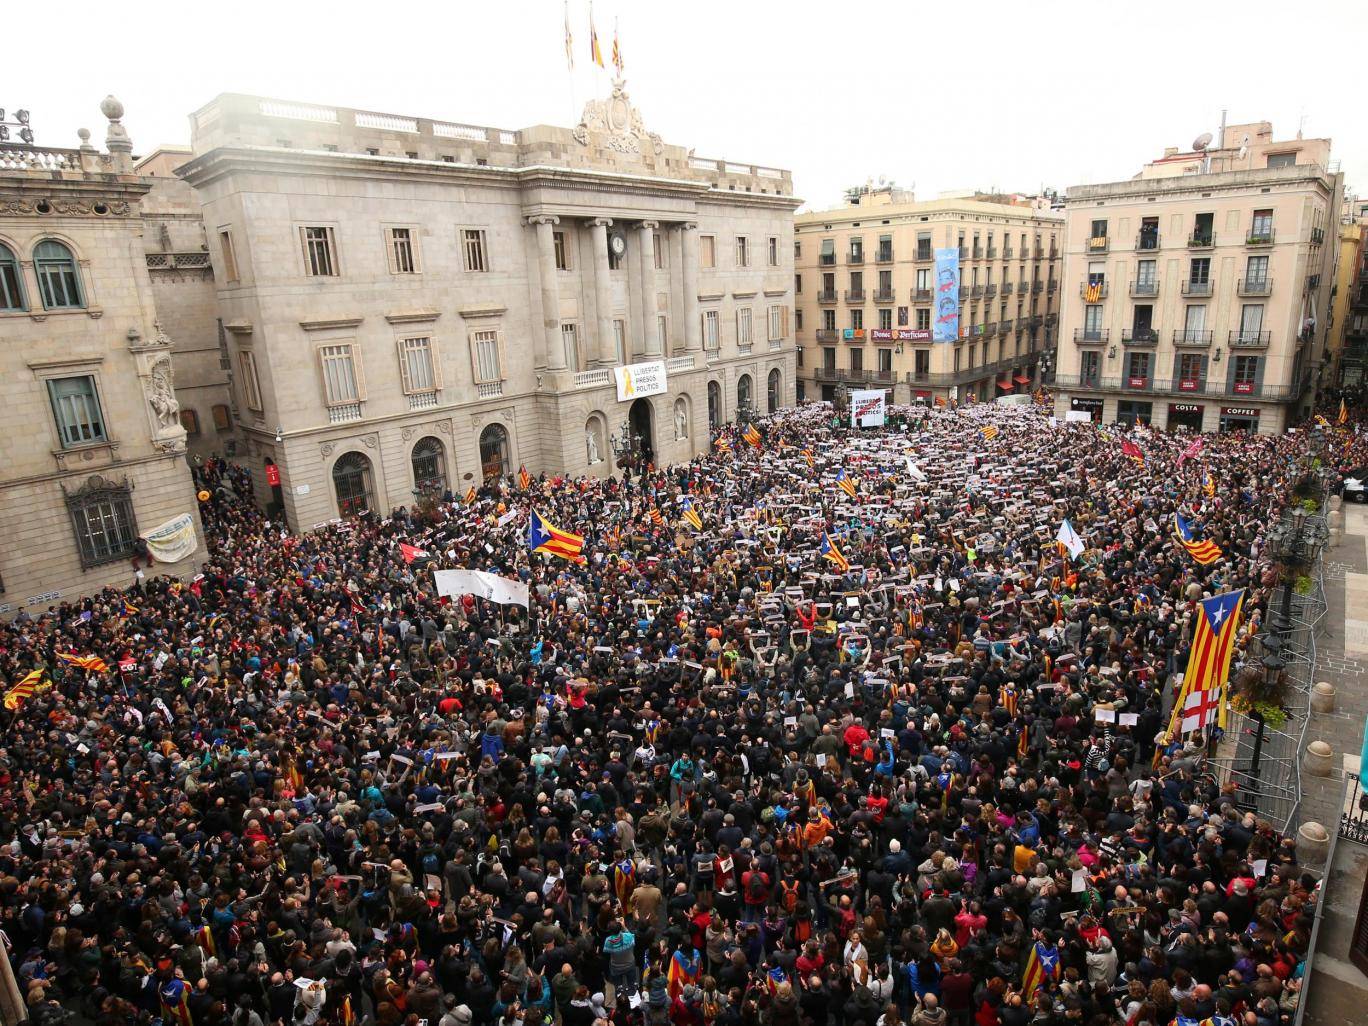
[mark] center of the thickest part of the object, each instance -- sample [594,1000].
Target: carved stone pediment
[616,124]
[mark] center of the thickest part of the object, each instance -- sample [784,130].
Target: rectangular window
[828,358]
[798,320]
[403,259]
[190,421]
[886,318]
[1256,271]
[828,320]
[1251,321]
[1261,228]
[484,348]
[1199,273]
[570,344]
[707,251]
[742,251]
[1099,229]
[1194,322]
[473,244]
[885,247]
[104,526]
[1146,273]
[921,362]
[857,360]
[320,252]
[797,283]
[76,406]
[251,385]
[777,316]
[973,355]
[1138,365]
[1092,321]
[711,338]
[417,366]
[743,327]
[857,319]
[923,319]
[1191,366]
[828,254]
[774,251]
[223,418]
[340,380]
[924,279]
[230,268]
[620,340]
[1282,160]
[562,254]
[1246,370]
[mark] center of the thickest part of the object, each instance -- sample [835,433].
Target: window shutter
[356,370]
[405,375]
[435,359]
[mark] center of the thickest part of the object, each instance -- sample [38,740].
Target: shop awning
[1005,383]
[923,394]
[1022,379]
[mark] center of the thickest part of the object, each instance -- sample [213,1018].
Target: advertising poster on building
[945,325]
[867,407]
[639,379]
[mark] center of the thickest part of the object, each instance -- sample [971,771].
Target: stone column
[693,329]
[550,293]
[650,334]
[603,297]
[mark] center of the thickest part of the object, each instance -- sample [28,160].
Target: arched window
[58,281]
[714,405]
[429,467]
[11,281]
[352,481]
[494,454]
[743,394]
[774,391]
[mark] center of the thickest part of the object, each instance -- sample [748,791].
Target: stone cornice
[412,316]
[330,323]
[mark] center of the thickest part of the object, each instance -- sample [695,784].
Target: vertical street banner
[945,325]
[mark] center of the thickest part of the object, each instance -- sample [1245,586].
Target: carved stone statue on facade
[681,423]
[619,121]
[161,395]
[591,446]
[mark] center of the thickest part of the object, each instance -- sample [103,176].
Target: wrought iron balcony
[921,295]
[1249,339]
[1147,242]
[1005,326]
[1051,286]
[1145,288]
[1317,236]
[854,295]
[1262,237]
[827,260]
[1039,253]
[1006,289]
[828,335]
[1197,288]
[1006,252]
[1036,287]
[978,252]
[924,256]
[1255,286]
[964,253]
[992,252]
[1191,337]
[1102,290]
[1096,244]
[883,295]
[884,255]
[976,292]
[855,258]
[1201,240]
[1091,336]
[990,291]
[1139,336]
[964,293]
[826,296]
[826,374]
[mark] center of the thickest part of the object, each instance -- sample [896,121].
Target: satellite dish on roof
[1201,142]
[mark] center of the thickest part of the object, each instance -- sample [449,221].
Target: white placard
[502,590]
[1130,719]
[867,407]
[639,379]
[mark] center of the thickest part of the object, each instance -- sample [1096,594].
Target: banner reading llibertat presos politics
[945,323]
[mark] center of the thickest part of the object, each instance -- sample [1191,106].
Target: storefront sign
[1091,405]
[1184,408]
[1187,385]
[639,379]
[881,334]
[1240,411]
[272,475]
[912,335]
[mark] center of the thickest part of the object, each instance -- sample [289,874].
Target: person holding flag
[690,515]
[1205,552]
[1042,964]
[545,537]
[829,551]
[846,483]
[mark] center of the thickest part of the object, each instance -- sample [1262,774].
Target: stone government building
[409,306]
[92,451]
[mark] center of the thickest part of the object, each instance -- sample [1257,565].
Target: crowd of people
[707,776]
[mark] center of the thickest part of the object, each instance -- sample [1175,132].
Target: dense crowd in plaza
[708,777]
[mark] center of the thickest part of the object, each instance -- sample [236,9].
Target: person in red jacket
[755,891]
[854,737]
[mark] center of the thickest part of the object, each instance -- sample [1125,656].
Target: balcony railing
[1176,386]
[921,295]
[1091,336]
[1096,244]
[1248,339]
[855,258]
[1317,236]
[884,255]
[1191,337]
[1262,237]
[1036,287]
[1006,252]
[924,256]
[1006,289]
[1201,240]
[1139,336]
[828,335]
[1040,253]
[1054,252]
[1102,290]
[854,295]
[978,252]
[826,296]
[826,374]
[990,329]
[827,260]
[964,293]
[1147,242]
[1145,288]
[976,292]
[1051,286]
[1197,288]
[992,252]
[1255,286]
[964,253]
[1006,326]
[990,291]
[883,295]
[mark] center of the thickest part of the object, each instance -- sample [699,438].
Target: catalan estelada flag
[722,445]
[544,537]
[990,432]
[1343,413]
[345,1015]
[847,485]
[174,995]
[1041,964]
[204,937]
[940,401]
[1213,640]
[656,516]
[34,683]
[690,515]
[90,663]
[1007,698]
[1204,552]
[470,496]
[1208,485]
[829,551]
[1321,421]
[1023,743]
[684,970]
[752,435]
[524,478]
[811,460]
[129,609]
[1129,448]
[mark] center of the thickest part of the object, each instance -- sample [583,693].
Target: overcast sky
[979,95]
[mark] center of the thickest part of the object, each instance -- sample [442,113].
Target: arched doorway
[714,405]
[743,395]
[429,467]
[641,421]
[495,457]
[774,390]
[352,481]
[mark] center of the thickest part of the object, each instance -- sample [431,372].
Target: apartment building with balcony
[1349,328]
[1197,294]
[411,306]
[863,292]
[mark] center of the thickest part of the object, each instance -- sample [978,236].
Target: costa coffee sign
[1187,384]
[1184,408]
[1240,411]
[1137,382]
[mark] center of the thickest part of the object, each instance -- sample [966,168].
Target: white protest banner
[867,407]
[502,590]
[639,379]
[174,540]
